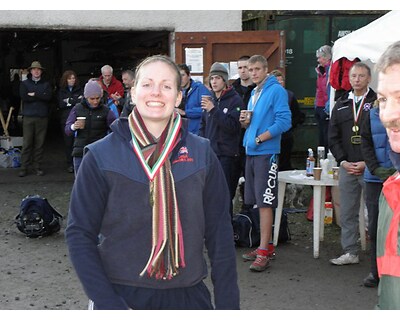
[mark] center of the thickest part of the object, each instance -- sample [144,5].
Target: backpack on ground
[246,228]
[37,218]
[284,232]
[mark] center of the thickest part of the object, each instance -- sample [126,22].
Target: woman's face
[71,80]
[155,92]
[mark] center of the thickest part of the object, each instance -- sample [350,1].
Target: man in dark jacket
[128,79]
[220,122]
[36,95]
[348,116]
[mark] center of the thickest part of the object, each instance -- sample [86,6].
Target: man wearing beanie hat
[219,70]
[220,123]
[35,94]
[94,123]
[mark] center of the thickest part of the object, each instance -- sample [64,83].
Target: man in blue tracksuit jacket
[271,117]
[192,91]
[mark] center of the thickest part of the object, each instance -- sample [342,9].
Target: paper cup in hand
[82,121]
[245,116]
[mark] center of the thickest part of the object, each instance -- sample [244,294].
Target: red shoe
[252,255]
[260,264]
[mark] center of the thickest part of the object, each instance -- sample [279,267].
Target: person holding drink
[270,116]
[220,123]
[89,121]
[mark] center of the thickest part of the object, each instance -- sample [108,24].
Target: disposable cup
[335,171]
[317,173]
[82,120]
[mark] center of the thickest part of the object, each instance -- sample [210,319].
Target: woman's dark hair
[65,76]
[184,67]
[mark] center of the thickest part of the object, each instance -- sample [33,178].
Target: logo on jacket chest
[183,156]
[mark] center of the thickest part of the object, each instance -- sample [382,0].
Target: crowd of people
[145,141]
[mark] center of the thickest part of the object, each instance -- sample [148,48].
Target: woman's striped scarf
[167,253]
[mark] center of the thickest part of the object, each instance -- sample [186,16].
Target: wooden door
[226,47]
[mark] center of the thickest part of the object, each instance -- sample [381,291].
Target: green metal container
[304,35]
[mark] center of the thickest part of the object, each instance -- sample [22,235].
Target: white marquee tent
[369,42]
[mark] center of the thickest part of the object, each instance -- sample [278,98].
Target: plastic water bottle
[331,163]
[310,163]
[320,155]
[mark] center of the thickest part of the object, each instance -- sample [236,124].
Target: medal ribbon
[357,112]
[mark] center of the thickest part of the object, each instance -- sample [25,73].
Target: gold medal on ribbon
[356,139]
[355,128]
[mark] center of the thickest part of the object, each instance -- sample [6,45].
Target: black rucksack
[246,228]
[284,232]
[37,218]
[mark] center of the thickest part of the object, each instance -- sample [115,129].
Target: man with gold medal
[344,139]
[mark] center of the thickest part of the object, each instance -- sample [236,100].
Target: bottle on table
[310,163]
[320,155]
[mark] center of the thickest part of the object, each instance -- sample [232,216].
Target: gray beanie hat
[219,70]
[92,89]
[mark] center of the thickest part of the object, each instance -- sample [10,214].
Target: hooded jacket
[117,208]
[271,113]
[193,109]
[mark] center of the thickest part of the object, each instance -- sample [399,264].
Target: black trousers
[372,193]
[34,133]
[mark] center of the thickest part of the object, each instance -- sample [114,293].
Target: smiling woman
[142,172]
[156,93]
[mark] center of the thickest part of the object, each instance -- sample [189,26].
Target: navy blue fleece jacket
[110,198]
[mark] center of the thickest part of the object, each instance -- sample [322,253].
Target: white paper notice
[194,59]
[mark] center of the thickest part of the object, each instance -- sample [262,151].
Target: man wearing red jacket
[388,239]
[112,85]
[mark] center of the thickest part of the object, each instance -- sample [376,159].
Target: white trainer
[344,259]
